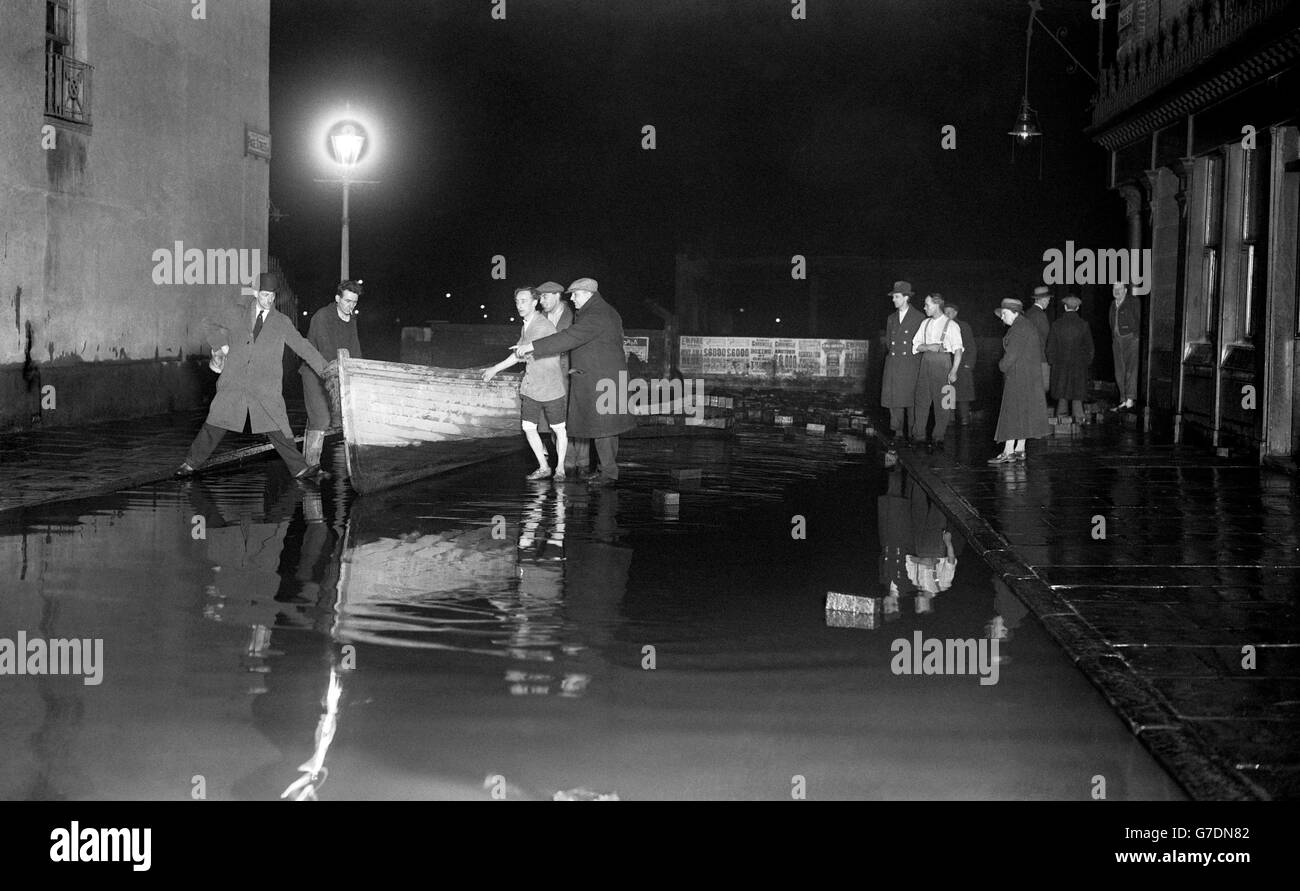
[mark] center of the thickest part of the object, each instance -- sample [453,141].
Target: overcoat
[898,387]
[594,343]
[251,385]
[1024,413]
[1070,352]
[966,374]
[563,322]
[1042,324]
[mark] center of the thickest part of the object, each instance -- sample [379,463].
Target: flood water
[476,635]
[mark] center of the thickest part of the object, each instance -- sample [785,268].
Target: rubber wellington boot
[313,441]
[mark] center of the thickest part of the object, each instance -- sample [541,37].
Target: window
[67,79]
[1213,232]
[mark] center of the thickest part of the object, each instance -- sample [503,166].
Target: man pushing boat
[542,393]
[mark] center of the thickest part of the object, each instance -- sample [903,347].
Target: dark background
[821,137]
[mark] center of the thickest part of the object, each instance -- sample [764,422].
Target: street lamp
[347,143]
[1026,125]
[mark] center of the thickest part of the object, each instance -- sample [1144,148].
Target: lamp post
[347,140]
[1026,125]
[347,144]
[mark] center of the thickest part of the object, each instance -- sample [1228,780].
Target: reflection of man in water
[931,561]
[894,524]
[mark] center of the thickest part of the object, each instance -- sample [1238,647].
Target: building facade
[1199,109]
[134,178]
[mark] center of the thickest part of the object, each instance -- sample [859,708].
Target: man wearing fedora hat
[250,391]
[902,365]
[1024,413]
[1070,351]
[594,343]
[1037,315]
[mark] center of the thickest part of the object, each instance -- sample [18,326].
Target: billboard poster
[637,346]
[690,355]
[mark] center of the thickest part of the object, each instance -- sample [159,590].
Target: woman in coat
[1023,414]
[1069,351]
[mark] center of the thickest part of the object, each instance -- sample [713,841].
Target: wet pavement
[1169,575]
[476,636]
[46,465]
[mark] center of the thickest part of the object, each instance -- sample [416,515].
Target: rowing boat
[402,422]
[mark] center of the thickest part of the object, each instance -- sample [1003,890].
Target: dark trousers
[898,421]
[210,436]
[579,453]
[318,403]
[1126,365]
[607,452]
[963,412]
[931,380]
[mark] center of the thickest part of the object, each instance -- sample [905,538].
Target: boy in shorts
[542,394]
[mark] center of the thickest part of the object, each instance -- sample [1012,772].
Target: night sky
[775,137]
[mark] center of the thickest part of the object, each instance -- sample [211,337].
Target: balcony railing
[1202,29]
[67,88]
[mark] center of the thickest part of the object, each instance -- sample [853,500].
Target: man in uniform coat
[1069,351]
[1037,315]
[252,338]
[898,386]
[966,371]
[1024,413]
[594,343]
[1125,325]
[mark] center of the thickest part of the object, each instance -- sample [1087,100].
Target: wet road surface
[475,627]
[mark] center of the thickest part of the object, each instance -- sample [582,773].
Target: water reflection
[407,644]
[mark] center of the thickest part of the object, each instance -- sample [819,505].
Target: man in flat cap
[1036,314]
[543,399]
[595,346]
[898,386]
[332,328]
[250,392]
[966,371]
[1125,336]
[577,460]
[1023,414]
[1070,351]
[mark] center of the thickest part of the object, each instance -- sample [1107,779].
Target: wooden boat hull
[404,422]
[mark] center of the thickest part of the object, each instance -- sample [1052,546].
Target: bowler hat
[268,281]
[549,288]
[1042,291]
[584,284]
[901,287]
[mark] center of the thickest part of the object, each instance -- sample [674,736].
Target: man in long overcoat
[898,386]
[252,338]
[594,343]
[1069,352]
[1024,413]
[1037,314]
[966,371]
